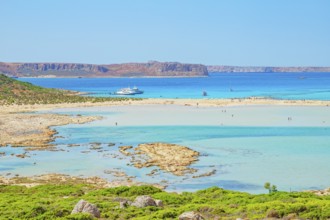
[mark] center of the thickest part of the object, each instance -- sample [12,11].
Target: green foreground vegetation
[57,202]
[16,92]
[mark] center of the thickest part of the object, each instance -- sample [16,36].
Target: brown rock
[123,150]
[168,157]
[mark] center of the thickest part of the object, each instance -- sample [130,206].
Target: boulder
[124,204]
[191,215]
[86,207]
[159,203]
[143,201]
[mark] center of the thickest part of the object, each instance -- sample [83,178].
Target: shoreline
[5,109]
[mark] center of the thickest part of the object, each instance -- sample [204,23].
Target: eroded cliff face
[113,70]
[260,69]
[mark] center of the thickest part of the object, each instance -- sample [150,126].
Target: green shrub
[57,202]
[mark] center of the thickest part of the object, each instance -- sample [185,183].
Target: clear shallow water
[224,85]
[293,158]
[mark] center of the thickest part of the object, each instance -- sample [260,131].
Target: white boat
[128,91]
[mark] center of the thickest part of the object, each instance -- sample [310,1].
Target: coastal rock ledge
[171,158]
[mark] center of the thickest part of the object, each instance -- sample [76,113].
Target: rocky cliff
[156,69]
[253,69]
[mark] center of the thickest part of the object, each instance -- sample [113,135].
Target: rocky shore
[170,158]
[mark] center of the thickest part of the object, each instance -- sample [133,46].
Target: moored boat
[128,91]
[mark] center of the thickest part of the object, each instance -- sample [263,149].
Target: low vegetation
[16,92]
[57,201]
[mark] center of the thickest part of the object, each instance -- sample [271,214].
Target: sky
[212,32]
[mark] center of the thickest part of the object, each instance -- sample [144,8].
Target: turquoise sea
[222,85]
[244,157]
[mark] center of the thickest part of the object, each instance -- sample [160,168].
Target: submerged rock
[86,207]
[171,158]
[191,215]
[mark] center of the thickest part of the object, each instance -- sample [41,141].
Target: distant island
[149,69]
[264,69]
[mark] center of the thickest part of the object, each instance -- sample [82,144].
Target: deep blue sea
[314,86]
[245,157]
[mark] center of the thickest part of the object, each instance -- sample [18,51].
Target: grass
[57,201]
[16,92]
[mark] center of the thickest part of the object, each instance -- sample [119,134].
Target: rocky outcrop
[159,203]
[139,202]
[86,207]
[260,69]
[191,215]
[124,204]
[171,158]
[143,201]
[153,68]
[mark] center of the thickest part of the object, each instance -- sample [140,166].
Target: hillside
[150,69]
[57,201]
[264,69]
[16,92]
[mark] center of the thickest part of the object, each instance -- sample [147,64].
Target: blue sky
[223,32]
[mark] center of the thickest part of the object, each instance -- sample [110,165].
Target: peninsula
[265,69]
[150,69]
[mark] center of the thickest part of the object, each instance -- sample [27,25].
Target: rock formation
[153,68]
[171,158]
[86,207]
[139,202]
[143,201]
[191,215]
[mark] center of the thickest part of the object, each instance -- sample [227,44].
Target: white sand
[246,115]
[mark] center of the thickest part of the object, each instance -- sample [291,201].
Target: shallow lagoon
[245,157]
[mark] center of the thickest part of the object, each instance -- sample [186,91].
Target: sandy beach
[186,102]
